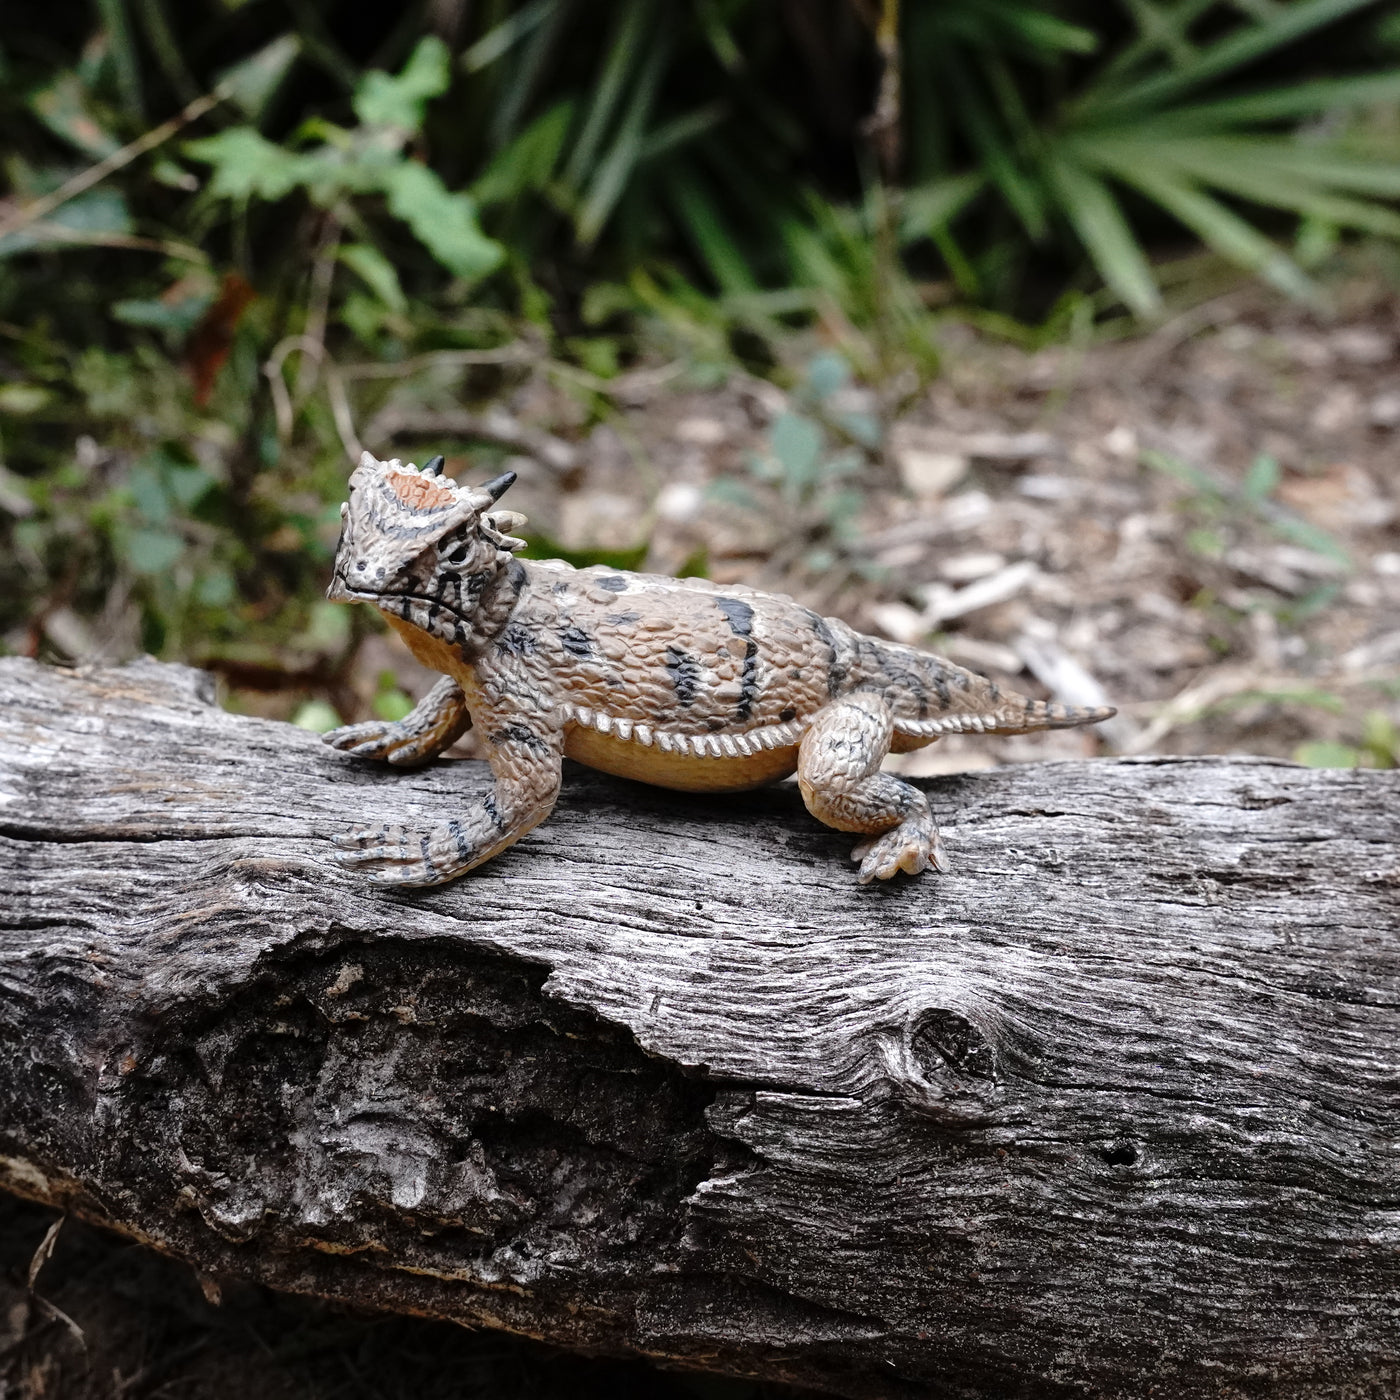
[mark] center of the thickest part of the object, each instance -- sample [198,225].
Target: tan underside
[625,758]
[436,655]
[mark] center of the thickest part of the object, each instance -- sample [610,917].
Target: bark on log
[1110,1110]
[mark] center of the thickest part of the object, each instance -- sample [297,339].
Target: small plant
[818,447]
[1378,747]
[334,165]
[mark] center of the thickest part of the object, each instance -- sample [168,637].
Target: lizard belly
[625,758]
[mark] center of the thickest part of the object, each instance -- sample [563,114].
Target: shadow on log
[1111,1107]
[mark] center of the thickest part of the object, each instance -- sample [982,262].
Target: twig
[318,309]
[272,370]
[167,247]
[85,179]
[517,352]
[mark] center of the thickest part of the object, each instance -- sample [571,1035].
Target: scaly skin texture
[678,682]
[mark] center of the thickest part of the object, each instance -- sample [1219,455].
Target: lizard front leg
[526,760]
[838,770]
[434,724]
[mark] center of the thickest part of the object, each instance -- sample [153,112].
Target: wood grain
[1109,1110]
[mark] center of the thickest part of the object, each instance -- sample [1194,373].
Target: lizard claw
[383,740]
[913,846]
[393,856]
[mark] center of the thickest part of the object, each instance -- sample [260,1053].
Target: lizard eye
[456,553]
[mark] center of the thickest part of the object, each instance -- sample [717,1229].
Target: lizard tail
[1018,715]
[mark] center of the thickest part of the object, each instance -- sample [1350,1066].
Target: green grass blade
[625,54]
[529,162]
[507,34]
[1286,103]
[683,129]
[1287,24]
[995,152]
[1221,229]
[706,228]
[937,203]
[1099,222]
[616,167]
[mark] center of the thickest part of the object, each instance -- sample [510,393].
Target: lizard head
[422,548]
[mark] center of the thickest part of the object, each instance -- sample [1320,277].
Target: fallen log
[1109,1110]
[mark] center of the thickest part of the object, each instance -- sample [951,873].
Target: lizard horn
[498,485]
[434,465]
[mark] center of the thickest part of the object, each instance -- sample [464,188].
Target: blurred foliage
[213,207]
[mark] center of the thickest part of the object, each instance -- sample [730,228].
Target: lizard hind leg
[838,771]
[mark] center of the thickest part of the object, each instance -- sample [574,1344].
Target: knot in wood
[942,1062]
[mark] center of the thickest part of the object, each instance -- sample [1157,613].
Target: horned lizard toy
[679,682]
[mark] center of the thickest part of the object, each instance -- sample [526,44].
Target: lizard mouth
[341,591]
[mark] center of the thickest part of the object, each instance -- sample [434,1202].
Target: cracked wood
[1111,1105]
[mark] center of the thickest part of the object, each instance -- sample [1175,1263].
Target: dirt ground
[1200,525]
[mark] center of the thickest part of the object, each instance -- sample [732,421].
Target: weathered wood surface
[1110,1110]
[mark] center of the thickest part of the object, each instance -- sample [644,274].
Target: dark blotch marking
[614,583]
[519,734]
[425,852]
[624,619]
[787,714]
[560,587]
[714,725]
[517,640]
[685,674]
[740,617]
[459,839]
[488,804]
[835,671]
[577,643]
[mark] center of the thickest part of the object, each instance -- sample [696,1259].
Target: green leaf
[64,107]
[444,223]
[89,217]
[316,715]
[529,162]
[152,551]
[399,102]
[377,272]
[1262,479]
[1223,230]
[22,399]
[624,45]
[702,221]
[392,705]
[247,164]
[187,485]
[148,493]
[827,372]
[1276,104]
[1099,222]
[1283,24]
[1325,753]
[797,444]
[932,206]
[251,83]
[504,36]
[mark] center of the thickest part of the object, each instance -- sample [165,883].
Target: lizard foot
[912,846]
[388,741]
[395,856]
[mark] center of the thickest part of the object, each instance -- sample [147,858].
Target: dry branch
[1111,1110]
